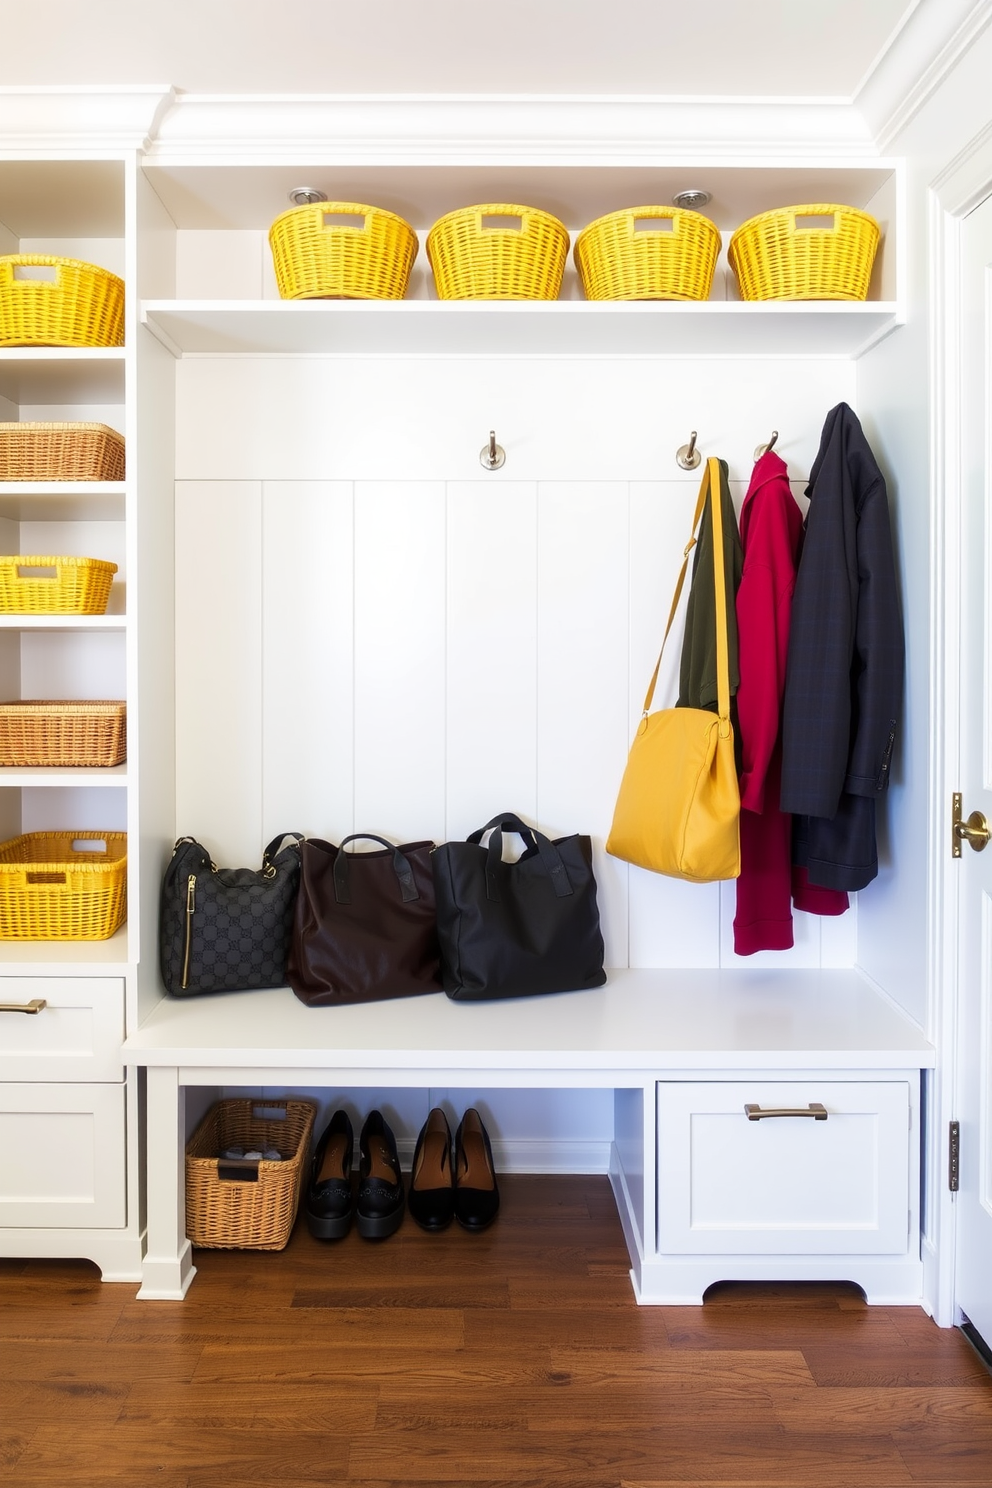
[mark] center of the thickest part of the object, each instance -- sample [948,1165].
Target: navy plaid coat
[844,677]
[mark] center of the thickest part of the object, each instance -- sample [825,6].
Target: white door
[973,1272]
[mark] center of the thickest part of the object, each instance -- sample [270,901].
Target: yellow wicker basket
[63,885]
[368,256]
[92,733]
[239,1203]
[54,451]
[648,253]
[48,301]
[31,585]
[815,252]
[497,252]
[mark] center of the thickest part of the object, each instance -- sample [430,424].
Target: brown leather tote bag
[365,926]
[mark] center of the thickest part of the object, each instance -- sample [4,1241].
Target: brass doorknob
[974,831]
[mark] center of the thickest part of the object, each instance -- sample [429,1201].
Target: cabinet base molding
[118,1255]
[678,1282]
[167,1278]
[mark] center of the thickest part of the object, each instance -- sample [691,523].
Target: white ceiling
[808,48]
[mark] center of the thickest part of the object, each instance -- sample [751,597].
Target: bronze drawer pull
[34,1006]
[817,1111]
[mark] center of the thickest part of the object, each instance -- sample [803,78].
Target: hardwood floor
[517,1357]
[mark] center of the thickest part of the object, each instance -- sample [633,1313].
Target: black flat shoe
[330,1202]
[431,1199]
[379,1207]
[476,1192]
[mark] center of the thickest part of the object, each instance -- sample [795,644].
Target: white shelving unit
[69,1176]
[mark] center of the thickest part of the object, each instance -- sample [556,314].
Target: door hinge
[954,1156]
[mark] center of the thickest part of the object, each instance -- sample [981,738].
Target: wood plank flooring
[515,1357]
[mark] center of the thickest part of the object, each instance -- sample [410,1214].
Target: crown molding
[500,130]
[915,61]
[76,122]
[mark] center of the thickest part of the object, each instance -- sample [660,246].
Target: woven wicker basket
[818,252]
[65,733]
[31,585]
[624,256]
[247,1204]
[367,258]
[63,885]
[60,452]
[498,252]
[79,304]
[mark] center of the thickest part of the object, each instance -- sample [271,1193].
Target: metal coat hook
[763,449]
[688,456]
[492,455]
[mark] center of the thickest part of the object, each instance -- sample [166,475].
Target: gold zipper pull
[190,911]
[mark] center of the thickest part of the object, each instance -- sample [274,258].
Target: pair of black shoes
[466,1190]
[377,1206]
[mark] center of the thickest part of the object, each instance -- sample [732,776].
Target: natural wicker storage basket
[80,305]
[63,885]
[497,252]
[247,1204]
[368,258]
[618,259]
[67,586]
[795,253]
[60,452]
[63,732]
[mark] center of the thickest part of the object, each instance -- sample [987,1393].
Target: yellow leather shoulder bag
[678,811]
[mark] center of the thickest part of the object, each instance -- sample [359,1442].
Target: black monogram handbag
[517,929]
[227,929]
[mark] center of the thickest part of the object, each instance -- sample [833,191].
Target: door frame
[958,189]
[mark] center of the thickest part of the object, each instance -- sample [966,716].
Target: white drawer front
[76,1036]
[62,1156]
[783,1185]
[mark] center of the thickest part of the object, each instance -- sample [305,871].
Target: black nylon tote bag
[517,929]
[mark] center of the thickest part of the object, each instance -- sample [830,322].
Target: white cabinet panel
[76,1036]
[62,1155]
[783,1185]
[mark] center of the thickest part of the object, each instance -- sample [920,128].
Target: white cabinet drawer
[783,1185]
[76,1036]
[62,1156]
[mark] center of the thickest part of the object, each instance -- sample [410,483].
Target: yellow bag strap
[710,486]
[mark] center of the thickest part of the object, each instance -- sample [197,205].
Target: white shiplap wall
[374,633]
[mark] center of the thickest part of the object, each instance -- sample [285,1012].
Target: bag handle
[401,867]
[709,487]
[268,856]
[720,590]
[550,856]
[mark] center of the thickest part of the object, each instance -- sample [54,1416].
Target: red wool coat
[771,530]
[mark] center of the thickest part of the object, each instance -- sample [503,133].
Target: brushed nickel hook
[688,457]
[763,449]
[492,455]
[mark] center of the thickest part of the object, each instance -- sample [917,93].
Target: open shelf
[59,775]
[551,327]
[62,374]
[63,622]
[56,957]
[62,501]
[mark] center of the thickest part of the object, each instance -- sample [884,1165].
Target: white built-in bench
[705,1190]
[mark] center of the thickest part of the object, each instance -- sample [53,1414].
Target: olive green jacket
[697,674]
